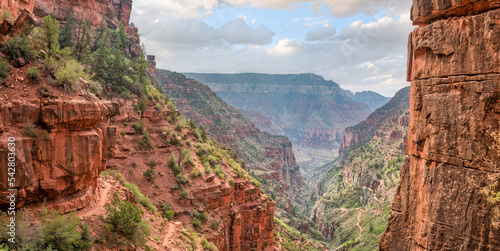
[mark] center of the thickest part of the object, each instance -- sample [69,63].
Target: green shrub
[195,173]
[187,159]
[138,127]
[4,68]
[171,106]
[31,131]
[68,76]
[172,160]
[125,218]
[95,87]
[203,216]
[145,141]
[152,162]
[179,126]
[19,46]
[61,232]
[34,74]
[231,181]
[196,223]
[214,224]
[208,169]
[169,214]
[219,171]
[6,14]
[149,175]
[181,178]
[141,198]
[184,193]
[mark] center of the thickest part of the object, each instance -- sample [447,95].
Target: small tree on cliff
[125,218]
[66,37]
[82,49]
[49,35]
[102,59]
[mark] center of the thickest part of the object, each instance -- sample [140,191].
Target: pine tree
[101,31]
[66,37]
[102,59]
[82,48]
[121,37]
[50,35]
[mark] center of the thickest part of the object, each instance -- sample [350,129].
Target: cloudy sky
[360,44]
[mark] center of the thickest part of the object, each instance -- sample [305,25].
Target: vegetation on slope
[356,194]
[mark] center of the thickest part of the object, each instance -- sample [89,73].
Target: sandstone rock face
[453,67]
[68,154]
[426,11]
[17,6]
[94,10]
[20,15]
[249,222]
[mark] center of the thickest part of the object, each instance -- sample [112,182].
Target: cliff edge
[454,106]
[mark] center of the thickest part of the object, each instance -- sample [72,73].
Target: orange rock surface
[454,70]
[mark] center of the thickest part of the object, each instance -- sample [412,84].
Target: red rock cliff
[94,10]
[64,155]
[454,69]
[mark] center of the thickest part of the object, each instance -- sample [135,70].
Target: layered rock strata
[63,155]
[109,11]
[455,104]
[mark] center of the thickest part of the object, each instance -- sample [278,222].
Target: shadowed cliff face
[454,71]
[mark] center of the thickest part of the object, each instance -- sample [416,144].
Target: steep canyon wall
[454,69]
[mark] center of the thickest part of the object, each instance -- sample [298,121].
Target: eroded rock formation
[454,71]
[109,11]
[64,155]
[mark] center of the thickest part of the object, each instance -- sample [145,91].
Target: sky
[359,44]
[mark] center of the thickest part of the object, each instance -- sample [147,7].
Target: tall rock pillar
[454,69]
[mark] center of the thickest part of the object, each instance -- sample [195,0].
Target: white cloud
[197,8]
[364,56]
[238,32]
[321,34]
[285,47]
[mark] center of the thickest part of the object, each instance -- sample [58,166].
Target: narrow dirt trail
[99,208]
[170,237]
[359,225]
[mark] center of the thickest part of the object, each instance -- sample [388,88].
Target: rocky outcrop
[60,157]
[20,15]
[454,71]
[426,11]
[248,216]
[15,7]
[109,11]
